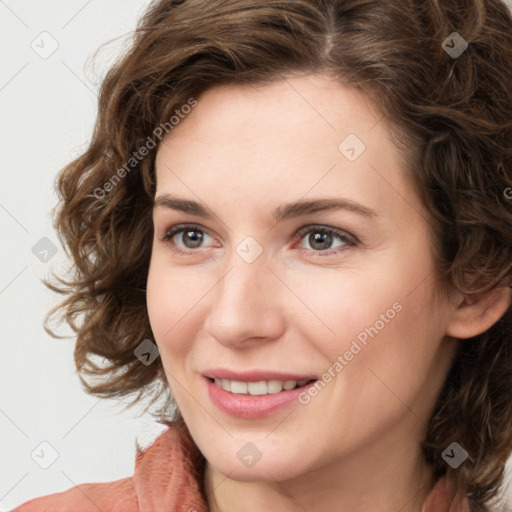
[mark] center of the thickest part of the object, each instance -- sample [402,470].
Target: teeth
[274,386]
[289,384]
[235,386]
[258,388]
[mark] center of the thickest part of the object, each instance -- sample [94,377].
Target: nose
[246,305]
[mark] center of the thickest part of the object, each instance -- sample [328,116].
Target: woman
[294,217]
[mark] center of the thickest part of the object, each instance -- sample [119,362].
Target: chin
[270,467]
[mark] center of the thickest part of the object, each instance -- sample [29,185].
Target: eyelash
[342,235]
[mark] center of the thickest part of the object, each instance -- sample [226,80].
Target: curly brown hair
[451,113]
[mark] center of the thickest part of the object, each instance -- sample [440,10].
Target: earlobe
[478,313]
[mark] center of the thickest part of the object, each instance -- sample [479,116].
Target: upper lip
[255,375]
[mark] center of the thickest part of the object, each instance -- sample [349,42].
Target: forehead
[280,141]
[326,105]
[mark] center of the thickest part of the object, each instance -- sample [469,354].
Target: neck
[387,480]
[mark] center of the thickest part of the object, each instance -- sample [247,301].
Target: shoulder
[167,475]
[109,496]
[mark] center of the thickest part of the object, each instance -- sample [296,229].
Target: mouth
[255,399]
[261,387]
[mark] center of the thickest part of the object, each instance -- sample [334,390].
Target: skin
[243,151]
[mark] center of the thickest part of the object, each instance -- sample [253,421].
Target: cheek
[388,337]
[177,304]
[168,302]
[346,306]
[385,318]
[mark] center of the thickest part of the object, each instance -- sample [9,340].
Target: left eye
[320,238]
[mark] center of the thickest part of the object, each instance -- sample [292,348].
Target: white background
[48,106]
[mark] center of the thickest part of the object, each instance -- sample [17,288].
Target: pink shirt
[168,478]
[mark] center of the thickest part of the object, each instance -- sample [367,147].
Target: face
[339,289]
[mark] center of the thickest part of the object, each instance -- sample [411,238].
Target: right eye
[192,237]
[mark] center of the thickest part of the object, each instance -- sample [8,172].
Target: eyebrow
[282,212]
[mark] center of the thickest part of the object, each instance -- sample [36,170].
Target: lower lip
[252,406]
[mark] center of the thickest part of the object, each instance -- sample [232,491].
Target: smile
[256,399]
[261,387]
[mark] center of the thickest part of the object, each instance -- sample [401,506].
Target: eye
[320,239]
[192,237]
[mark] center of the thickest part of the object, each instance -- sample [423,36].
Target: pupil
[196,238]
[321,239]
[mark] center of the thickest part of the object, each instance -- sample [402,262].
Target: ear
[476,314]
